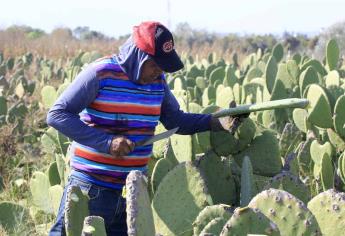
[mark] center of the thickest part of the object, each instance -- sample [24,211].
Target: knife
[156,138]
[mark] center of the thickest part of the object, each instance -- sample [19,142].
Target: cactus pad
[209,213]
[173,211]
[138,206]
[339,116]
[290,214]
[246,221]
[94,226]
[329,210]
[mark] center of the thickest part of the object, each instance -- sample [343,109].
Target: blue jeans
[105,202]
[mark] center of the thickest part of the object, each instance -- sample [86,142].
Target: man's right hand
[120,146]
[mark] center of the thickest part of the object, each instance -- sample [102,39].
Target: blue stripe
[116,89]
[120,116]
[149,96]
[105,167]
[129,84]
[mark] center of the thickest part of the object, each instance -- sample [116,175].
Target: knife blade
[156,137]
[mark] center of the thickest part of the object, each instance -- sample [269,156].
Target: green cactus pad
[307,77]
[223,143]
[55,195]
[76,209]
[174,211]
[304,158]
[329,210]
[209,213]
[289,139]
[138,205]
[224,97]
[12,215]
[162,167]
[341,167]
[317,151]
[290,214]
[339,116]
[3,105]
[278,52]
[246,221]
[290,183]
[300,117]
[182,146]
[327,172]
[94,226]
[53,174]
[271,73]
[319,108]
[217,74]
[214,227]
[337,141]
[49,96]
[221,186]
[263,153]
[315,64]
[39,187]
[159,146]
[247,182]
[332,54]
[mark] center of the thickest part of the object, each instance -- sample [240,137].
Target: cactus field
[282,172]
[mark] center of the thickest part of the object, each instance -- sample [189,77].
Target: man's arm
[64,115]
[172,116]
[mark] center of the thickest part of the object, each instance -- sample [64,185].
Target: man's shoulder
[108,63]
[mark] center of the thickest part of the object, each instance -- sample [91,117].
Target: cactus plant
[291,184]
[12,215]
[247,182]
[247,221]
[221,187]
[339,116]
[329,210]
[290,214]
[208,214]
[169,208]
[214,227]
[93,226]
[138,208]
[332,54]
[76,209]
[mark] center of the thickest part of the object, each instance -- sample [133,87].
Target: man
[111,104]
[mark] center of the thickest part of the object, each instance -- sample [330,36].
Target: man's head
[156,40]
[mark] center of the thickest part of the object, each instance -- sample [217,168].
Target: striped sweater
[121,107]
[102,103]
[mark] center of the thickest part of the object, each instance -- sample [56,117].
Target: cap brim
[169,63]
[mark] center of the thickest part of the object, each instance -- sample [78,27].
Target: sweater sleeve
[188,123]
[64,114]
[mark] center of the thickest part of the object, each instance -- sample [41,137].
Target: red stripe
[131,109]
[101,159]
[111,74]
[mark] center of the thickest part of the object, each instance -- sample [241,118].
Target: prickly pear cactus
[220,184]
[289,213]
[291,184]
[162,167]
[332,54]
[329,210]
[39,184]
[246,221]
[49,96]
[247,182]
[76,209]
[263,153]
[214,227]
[319,109]
[326,172]
[94,226]
[339,116]
[173,211]
[12,215]
[138,206]
[208,214]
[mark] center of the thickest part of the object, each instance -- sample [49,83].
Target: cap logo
[168,46]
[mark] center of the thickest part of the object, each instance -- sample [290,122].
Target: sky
[115,18]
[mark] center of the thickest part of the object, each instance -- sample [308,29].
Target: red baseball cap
[156,40]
